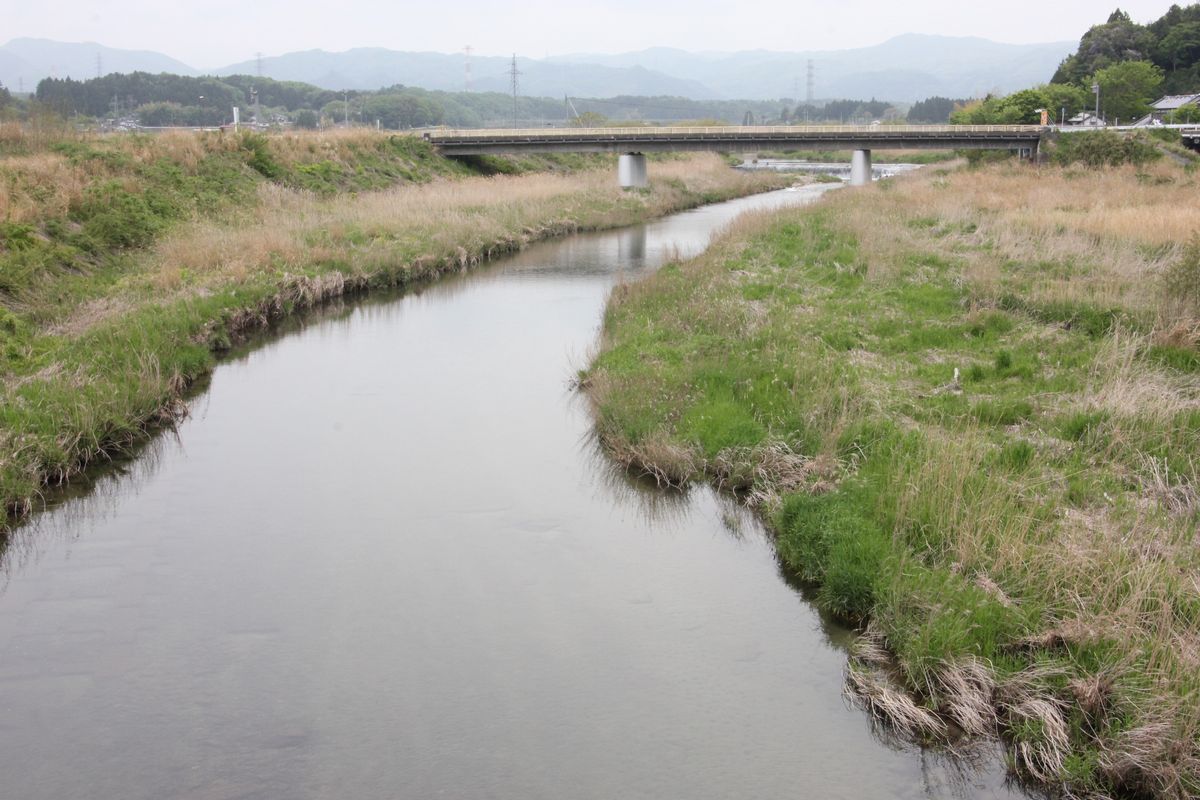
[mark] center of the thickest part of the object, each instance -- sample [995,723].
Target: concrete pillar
[631,171]
[860,168]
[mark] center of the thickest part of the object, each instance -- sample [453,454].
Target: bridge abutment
[860,168]
[631,171]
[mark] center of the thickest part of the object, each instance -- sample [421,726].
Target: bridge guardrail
[733,130]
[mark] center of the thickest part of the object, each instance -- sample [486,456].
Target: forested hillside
[1171,43]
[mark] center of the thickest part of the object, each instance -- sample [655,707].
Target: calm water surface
[382,559]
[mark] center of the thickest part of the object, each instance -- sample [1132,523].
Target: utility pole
[467,65]
[1096,89]
[513,75]
[346,108]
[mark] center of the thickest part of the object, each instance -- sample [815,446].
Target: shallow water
[383,559]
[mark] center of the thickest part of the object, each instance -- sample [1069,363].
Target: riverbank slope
[128,262]
[969,402]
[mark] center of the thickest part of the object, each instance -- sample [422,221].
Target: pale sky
[218,32]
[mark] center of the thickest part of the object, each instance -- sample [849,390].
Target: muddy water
[383,560]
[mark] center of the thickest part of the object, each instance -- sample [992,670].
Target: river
[384,559]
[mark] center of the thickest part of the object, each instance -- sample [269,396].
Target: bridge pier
[860,168]
[631,171]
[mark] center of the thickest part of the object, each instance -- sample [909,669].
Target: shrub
[1104,149]
[259,155]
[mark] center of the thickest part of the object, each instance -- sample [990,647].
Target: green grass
[971,519]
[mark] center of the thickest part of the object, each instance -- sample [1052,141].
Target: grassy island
[968,402]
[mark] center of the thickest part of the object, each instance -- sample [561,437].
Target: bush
[259,155]
[1104,149]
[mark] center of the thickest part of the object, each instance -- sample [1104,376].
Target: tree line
[1131,64]
[166,99]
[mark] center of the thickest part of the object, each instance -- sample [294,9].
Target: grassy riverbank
[969,402]
[127,263]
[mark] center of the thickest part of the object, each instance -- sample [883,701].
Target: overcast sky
[218,32]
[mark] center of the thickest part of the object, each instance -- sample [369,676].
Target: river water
[383,559]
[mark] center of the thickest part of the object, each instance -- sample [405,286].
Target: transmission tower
[808,94]
[467,65]
[513,76]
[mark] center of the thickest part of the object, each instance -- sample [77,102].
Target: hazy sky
[217,32]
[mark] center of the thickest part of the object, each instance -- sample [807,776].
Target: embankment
[127,263]
[969,402]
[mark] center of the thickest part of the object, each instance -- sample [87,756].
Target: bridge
[633,143]
[1191,137]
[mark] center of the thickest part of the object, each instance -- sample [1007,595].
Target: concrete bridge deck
[634,143]
[734,138]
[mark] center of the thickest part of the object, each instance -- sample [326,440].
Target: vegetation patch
[968,406]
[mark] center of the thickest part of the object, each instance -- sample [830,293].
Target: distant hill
[903,69]
[27,61]
[368,68]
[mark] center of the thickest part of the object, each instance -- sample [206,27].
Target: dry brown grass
[875,692]
[422,227]
[443,217]
[34,187]
[1112,229]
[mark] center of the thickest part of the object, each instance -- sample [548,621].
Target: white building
[1169,104]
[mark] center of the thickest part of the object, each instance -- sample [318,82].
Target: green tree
[157,115]
[1127,88]
[976,112]
[402,110]
[1021,108]
[307,118]
[1185,114]
[1119,39]
[934,109]
[1180,47]
[1060,96]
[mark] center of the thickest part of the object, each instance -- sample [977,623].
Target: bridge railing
[733,130]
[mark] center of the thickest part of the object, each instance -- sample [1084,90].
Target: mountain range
[905,68]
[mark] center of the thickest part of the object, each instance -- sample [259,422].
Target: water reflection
[90,499]
[631,247]
[383,559]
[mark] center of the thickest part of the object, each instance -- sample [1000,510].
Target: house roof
[1173,101]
